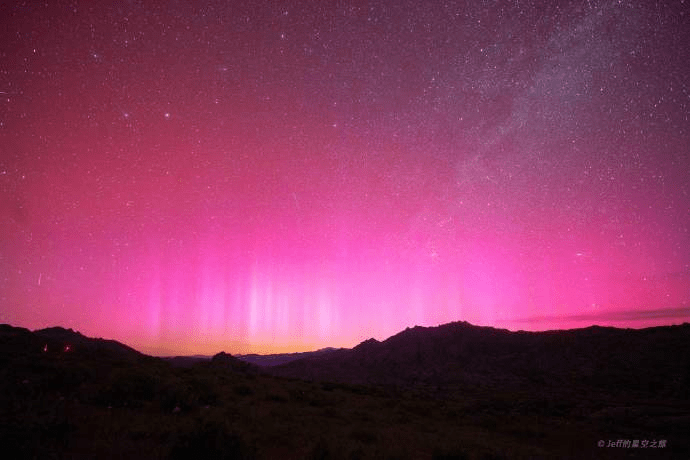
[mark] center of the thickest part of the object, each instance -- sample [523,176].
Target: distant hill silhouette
[227,361]
[283,358]
[17,342]
[652,361]
[186,361]
[452,391]
[369,344]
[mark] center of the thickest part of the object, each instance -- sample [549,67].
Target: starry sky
[190,177]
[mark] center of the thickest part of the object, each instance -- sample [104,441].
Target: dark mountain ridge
[186,361]
[17,342]
[452,391]
[227,361]
[283,358]
[643,361]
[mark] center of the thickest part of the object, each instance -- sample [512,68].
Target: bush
[320,451]
[211,439]
[275,397]
[456,454]
[128,387]
[363,436]
[175,393]
[205,390]
[243,390]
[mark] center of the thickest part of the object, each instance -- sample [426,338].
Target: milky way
[283,176]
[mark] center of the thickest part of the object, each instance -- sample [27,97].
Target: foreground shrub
[211,439]
[129,386]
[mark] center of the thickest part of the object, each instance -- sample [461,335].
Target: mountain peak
[226,360]
[59,333]
[484,357]
[367,344]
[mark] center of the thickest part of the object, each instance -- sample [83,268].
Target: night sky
[190,177]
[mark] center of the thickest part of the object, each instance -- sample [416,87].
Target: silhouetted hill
[18,343]
[283,358]
[652,361]
[369,344]
[77,342]
[227,361]
[453,391]
[186,361]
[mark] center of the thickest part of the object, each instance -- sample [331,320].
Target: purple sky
[283,176]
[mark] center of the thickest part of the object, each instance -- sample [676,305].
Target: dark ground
[100,399]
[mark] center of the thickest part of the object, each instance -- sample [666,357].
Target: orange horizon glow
[209,346]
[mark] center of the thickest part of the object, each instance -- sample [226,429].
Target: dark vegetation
[453,392]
